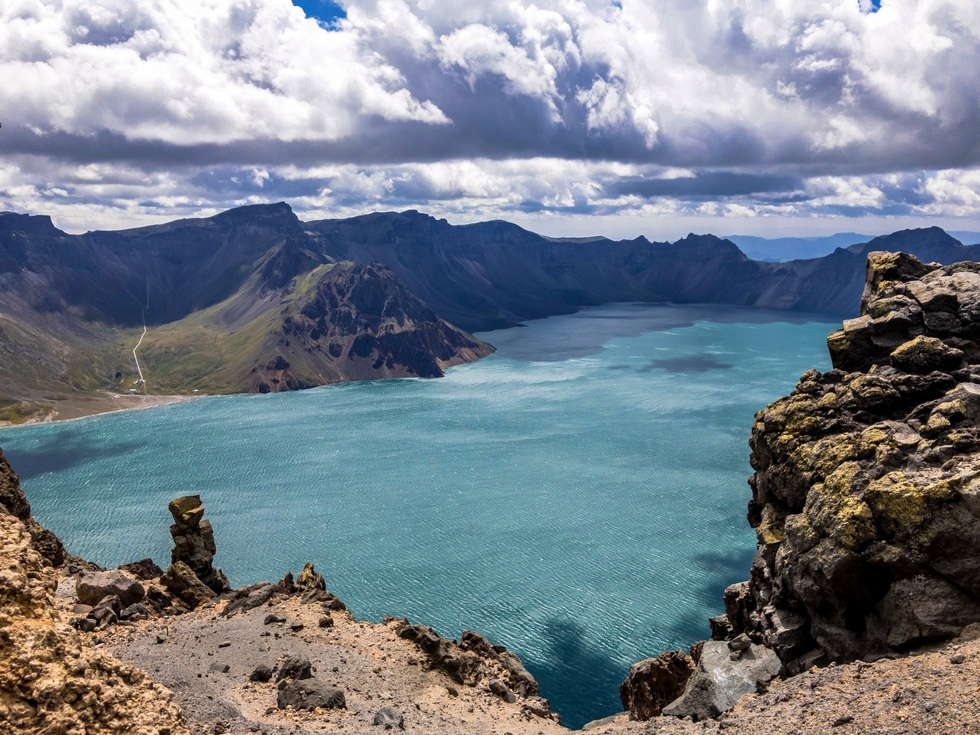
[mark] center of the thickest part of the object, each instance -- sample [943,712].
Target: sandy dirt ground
[206,659]
[368,661]
[91,404]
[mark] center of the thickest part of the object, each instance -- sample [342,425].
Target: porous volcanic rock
[14,502]
[50,682]
[194,541]
[654,683]
[474,661]
[866,492]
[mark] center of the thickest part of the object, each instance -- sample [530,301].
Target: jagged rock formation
[50,682]
[194,542]
[252,299]
[866,495]
[655,682]
[349,321]
[14,502]
[475,661]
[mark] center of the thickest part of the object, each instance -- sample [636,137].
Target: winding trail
[138,368]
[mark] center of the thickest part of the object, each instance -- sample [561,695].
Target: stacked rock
[194,542]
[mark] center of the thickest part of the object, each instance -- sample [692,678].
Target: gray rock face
[92,587]
[310,694]
[722,677]
[655,682]
[194,541]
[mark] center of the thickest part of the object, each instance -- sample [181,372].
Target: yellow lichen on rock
[50,682]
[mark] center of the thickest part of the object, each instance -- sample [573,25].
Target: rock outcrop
[14,502]
[50,681]
[866,492]
[655,682]
[724,674]
[194,542]
[474,661]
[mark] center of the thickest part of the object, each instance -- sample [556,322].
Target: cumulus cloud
[742,107]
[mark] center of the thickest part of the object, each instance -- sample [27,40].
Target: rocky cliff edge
[51,680]
[866,492]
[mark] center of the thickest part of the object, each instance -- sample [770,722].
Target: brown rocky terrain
[52,679]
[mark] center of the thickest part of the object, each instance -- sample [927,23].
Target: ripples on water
[578,497]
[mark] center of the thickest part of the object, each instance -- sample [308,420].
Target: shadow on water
[721,570]
[580,681]
[63,450]
[689,364]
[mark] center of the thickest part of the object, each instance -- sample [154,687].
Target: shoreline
[96,404]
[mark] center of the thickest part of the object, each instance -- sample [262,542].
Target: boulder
[655,682]
[309,694]
[295,667]
[107,612]
[144,569]
[249,598]
[94,586]
[183,584]
[262,673]
[387,718]
[722,677]
[137,611]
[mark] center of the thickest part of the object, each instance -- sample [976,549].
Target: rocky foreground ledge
[860,615]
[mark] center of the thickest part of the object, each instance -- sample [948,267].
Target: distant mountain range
[255,300]
[782,249]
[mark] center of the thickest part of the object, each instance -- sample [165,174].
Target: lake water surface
[578,497]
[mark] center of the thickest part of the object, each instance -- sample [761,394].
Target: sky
[570,117]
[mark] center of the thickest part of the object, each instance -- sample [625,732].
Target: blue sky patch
[322,10]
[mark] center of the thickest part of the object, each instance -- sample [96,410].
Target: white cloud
[207,71]
[492,106]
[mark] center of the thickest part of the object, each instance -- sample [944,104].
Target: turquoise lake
[578,497]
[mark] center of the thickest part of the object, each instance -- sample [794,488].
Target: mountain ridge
[76,304]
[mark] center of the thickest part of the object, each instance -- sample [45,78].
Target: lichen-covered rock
[50,681]
[654,683]
[865,492]
[309,579]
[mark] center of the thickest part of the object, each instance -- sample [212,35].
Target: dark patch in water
[63,450]
[578,678]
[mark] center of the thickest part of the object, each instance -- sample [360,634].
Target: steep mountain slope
[226,300]
[338,322]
